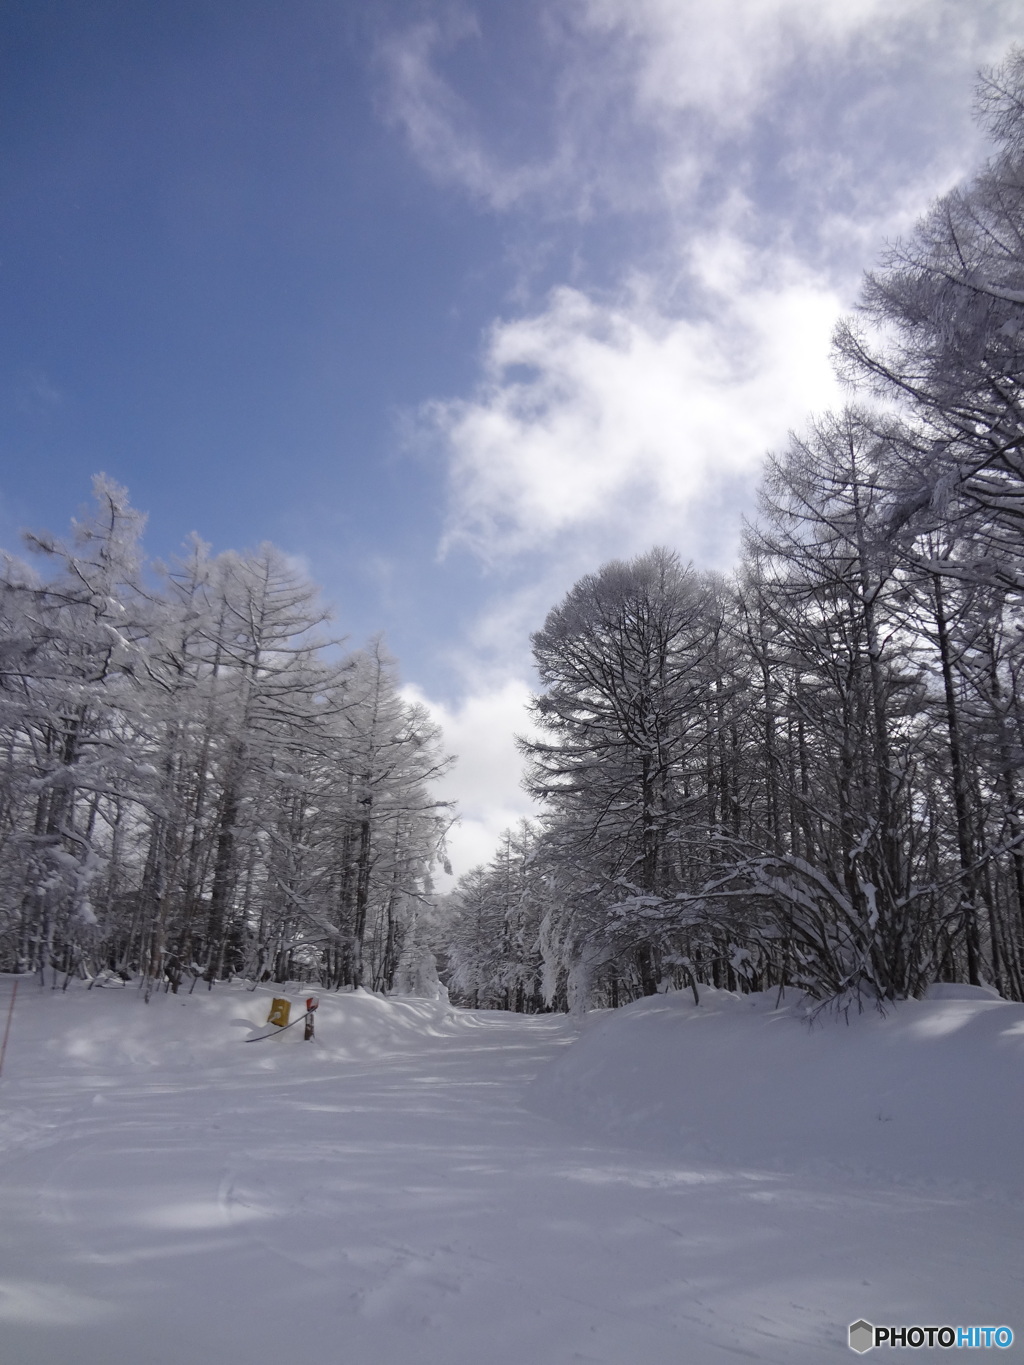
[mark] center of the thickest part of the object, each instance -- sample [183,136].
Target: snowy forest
[807,773]
[195,782]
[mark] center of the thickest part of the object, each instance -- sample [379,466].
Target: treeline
[807,774]
[194,782]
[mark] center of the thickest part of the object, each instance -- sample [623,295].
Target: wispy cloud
[727,59]
[641,97]
[440,126]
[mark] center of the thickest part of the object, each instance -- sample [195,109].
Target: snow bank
[97,1035]
[932,1092]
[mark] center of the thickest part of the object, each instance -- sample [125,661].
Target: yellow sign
[279,1011]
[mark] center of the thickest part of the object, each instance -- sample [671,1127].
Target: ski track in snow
[376,1210]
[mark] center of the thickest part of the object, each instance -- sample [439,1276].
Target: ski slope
[429,1185]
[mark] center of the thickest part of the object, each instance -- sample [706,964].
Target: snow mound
[98,1035]
[931,1092]
[956,990]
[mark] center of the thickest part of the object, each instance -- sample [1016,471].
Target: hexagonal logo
[862,1336]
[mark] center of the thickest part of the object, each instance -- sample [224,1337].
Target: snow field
[171,1194]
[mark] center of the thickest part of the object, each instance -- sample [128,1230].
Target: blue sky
[452,301]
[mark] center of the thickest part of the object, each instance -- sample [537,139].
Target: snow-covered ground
[423,1184]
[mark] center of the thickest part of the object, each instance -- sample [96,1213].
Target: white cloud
[724,58]
[486,779]
[612,425]
[711,78]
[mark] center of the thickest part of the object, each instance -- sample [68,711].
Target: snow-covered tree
[192,780]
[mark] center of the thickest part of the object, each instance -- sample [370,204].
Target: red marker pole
[7,1026]
[311,1003]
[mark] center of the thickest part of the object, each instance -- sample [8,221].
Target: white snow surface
[426,1184]
[930,1093]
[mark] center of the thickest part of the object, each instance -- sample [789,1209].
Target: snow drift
[931,1091]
